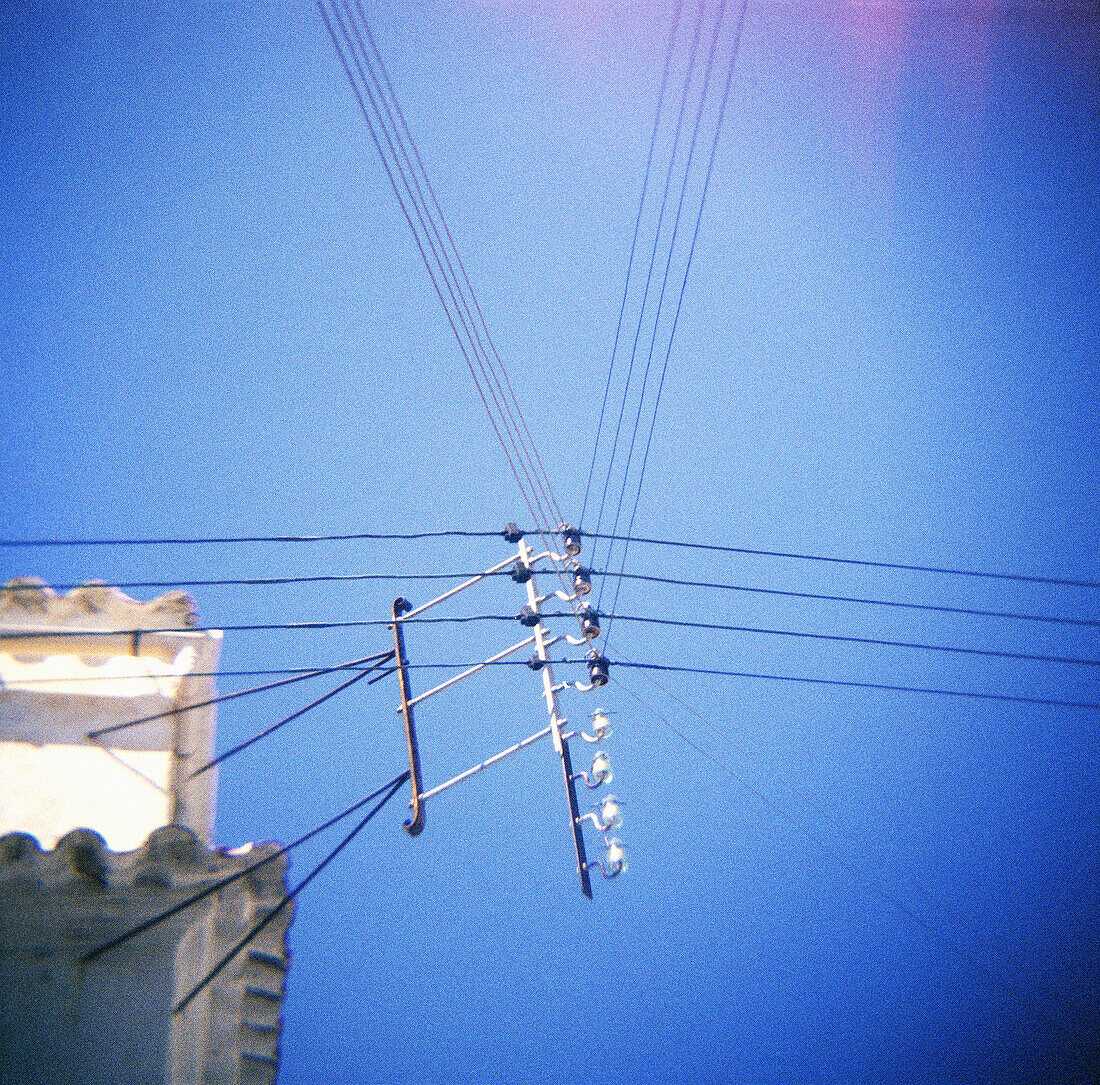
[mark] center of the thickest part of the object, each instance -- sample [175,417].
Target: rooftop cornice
[66,917]
[173,856]
[29,603]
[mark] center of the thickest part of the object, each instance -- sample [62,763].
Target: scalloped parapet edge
[172,856]
[28,602]
[59,905]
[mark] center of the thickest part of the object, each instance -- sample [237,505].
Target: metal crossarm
[550,692]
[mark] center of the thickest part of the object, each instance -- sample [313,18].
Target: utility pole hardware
[609,816]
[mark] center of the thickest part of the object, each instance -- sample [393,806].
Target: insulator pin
[611,814]
[598,670]
[571,539]
[601,767]
[590,623]
[616,857]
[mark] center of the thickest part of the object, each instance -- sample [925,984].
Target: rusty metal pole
[415,823]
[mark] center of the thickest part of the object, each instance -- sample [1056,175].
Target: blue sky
[215,324]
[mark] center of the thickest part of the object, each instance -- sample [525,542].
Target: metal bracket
[415,823]
[575,821]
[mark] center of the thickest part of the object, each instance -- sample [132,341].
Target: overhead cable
[661,665]
[297,672]
[413,536]
[362,62]
[687,264]
[227,539]
[649,280]
[671,251]
[721,549]
[970,612]
[375,661]
[244,872]
[870,884]
[353,55]
[262,581]
[510,401]
[461,619]
[270,915]
[846,639]
[633,246]
[226,754]
[887,687]
[707,721]
[717,585]
[257,627]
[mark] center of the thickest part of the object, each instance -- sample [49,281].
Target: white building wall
[106,831]
[65,673]
[108,1019]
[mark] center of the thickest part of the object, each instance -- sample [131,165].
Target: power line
[775,776]
[375,661]
[401,161]
[261,627]
[339,578]
[884,686]
[671,251]
[210,890]
[413,536]
[352,54]
[269,916]
[846,639]
[462,619]
[293,716]
[297,672]
[228,539]
[648,283]
[690,256]
[259,581]
[510,401]
[97,736]
[262,581]
[633,246]
[426,220]
[660,665]
[970,612]
[872,886]
[1023,577]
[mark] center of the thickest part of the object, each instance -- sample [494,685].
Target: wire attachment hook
[610,815]
[601,771]
[616,859]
